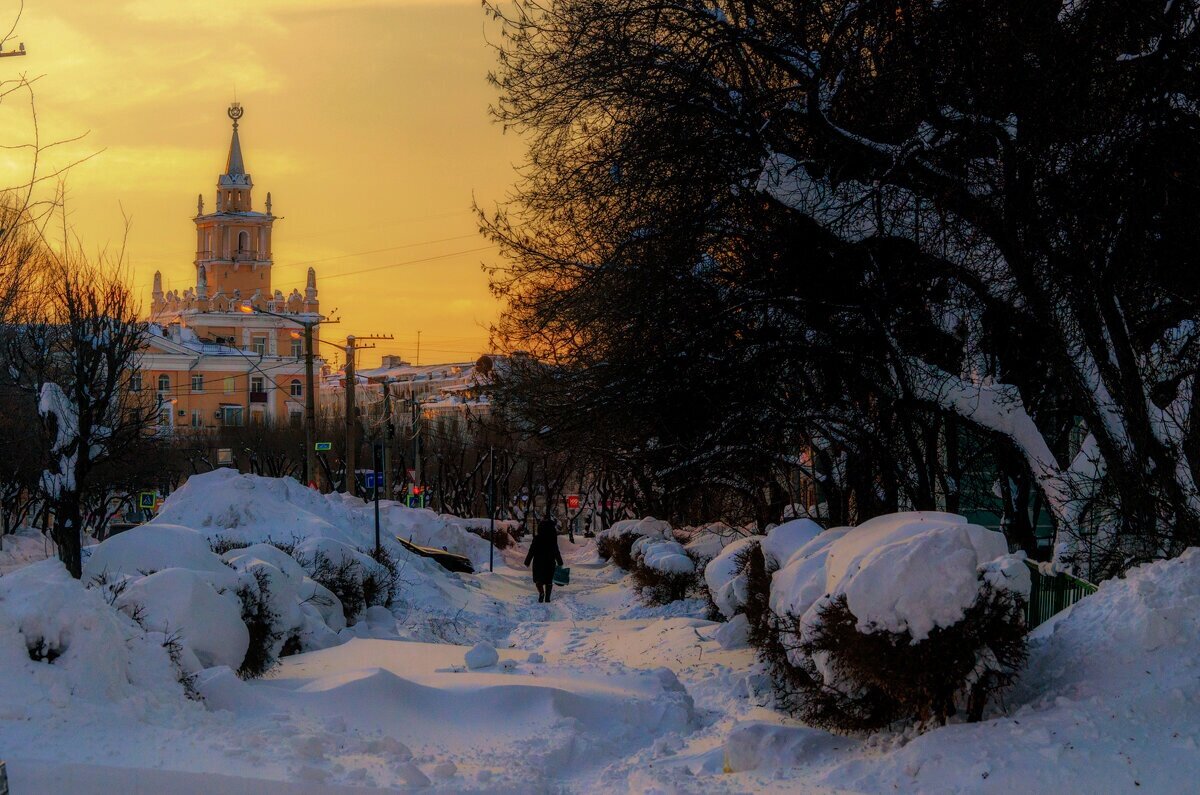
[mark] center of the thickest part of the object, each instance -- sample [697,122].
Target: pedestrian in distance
[544,555]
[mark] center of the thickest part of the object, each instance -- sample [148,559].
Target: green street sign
[323,446]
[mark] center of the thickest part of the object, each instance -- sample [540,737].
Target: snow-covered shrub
[356,578]
[662,571]
[260,621]
[615,544]
[724,576]
[61,642]
[910,617]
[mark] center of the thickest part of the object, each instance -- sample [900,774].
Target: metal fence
[1051,594]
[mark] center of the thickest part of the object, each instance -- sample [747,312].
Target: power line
[375,251]
[407,262]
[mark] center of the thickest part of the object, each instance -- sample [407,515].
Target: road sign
[373,479]
[147,499]
[323,447]
[572,502]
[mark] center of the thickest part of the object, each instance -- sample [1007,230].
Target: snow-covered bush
[357,579]
[911,617]
[662,570]
[615,543]
[61,642]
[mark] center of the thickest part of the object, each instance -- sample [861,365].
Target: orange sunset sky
[367,121]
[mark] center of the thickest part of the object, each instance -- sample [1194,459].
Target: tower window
[243,242]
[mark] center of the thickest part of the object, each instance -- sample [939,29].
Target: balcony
[258,397]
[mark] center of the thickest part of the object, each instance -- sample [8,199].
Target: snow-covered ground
[592,692]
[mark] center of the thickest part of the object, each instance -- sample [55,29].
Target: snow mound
[61,643]
[725,580]
[785,540]
[253,509]
[902,572]
[150,547]
[207,619]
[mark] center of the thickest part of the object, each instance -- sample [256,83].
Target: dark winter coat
[544,554]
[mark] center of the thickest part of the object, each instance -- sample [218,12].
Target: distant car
[450,561]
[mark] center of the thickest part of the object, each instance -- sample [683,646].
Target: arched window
[164,383]
[243,242]
[297,388]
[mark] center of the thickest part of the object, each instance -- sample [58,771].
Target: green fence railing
[1052,594]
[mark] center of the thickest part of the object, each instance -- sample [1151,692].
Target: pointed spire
[234,166]
[310,288]
[199,204]
[157,290]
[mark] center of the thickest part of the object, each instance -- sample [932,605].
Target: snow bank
[253,509]
[903,572]
[61,643]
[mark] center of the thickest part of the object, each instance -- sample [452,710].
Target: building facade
[230,350]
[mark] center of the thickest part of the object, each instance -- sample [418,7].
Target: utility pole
[351,421]
[378,457]
[491,508]
[310,411]
[416,438]
[389,428]
[351,413]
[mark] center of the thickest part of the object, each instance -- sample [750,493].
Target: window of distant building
[258,384]
[197,382]
[297,349]
[295,417]
[229,385]
[164,383]
[135,382]
[197,419]
[259,345]
[243,242]
[231,415]
[297,388]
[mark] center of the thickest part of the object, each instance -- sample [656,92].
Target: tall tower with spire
[233,242]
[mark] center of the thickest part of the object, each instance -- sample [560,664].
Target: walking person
[544,555]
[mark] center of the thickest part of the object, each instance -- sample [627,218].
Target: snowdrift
[1109,703]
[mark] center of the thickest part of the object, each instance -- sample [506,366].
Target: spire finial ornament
[199,204]
[235,112]
[268,202]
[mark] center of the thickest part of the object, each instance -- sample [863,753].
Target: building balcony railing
[258,397]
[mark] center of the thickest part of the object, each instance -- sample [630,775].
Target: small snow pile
[481,655]
[616,543]
[61,643]
[910,616]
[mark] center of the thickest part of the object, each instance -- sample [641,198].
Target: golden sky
[365,119]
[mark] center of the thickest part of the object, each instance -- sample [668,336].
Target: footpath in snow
[590,693]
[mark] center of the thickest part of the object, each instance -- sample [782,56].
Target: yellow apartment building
[211,360]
